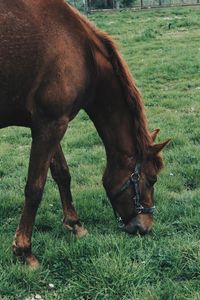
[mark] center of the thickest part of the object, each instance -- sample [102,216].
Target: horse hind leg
[61,175]
[46,137]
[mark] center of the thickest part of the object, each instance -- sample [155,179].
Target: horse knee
[65,176]
[34,195]
[60,173]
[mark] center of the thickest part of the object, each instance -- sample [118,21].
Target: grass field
[109,264]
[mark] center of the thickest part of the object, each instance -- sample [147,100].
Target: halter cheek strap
[133,182]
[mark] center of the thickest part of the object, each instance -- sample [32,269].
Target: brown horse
[53,63]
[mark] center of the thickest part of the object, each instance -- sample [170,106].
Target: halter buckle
[135,177]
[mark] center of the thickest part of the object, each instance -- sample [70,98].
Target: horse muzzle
[141,224]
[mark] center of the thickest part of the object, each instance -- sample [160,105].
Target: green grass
[109,264]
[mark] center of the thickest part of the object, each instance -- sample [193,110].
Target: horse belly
[15,117]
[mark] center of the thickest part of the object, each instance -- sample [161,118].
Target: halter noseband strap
[133,181]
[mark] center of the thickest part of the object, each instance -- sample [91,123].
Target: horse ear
[155,149]
[154,133]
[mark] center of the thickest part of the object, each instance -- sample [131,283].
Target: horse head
[132,193]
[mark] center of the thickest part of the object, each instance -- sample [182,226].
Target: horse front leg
[46,135]
[61,175]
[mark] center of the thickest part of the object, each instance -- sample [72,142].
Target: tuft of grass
[109,264]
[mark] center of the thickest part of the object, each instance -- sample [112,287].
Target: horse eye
[152,180]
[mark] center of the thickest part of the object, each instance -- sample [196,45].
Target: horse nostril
[141,230]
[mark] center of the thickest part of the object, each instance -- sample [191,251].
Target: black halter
[133,182]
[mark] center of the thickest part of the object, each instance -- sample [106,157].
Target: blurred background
[88,5]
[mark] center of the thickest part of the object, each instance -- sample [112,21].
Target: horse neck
[114,122]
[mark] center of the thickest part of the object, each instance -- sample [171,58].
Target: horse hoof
[80,231]
[77,228]
[32,262]
[29,259]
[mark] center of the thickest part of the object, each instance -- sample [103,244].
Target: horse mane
[105,44]
[132,94]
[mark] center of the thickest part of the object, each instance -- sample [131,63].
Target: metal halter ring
[135,177]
